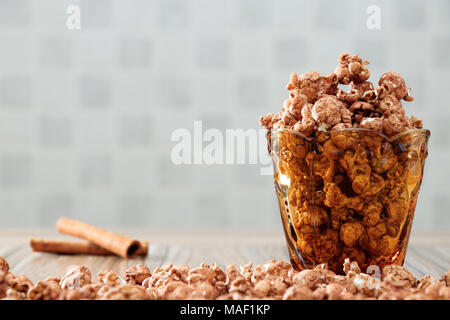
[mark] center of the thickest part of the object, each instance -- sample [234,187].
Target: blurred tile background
[86,115]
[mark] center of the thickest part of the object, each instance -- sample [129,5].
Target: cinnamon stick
[77,247]
[116,243]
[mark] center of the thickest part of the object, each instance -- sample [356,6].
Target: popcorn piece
[311,85]
[395,123]
[298,292]
[445,279]
[232,274]
[267,121]
[377,231]
[350,97]
[45,290]
[362,87]
[425,281]
[173,290]
[398,276]
[346,282]
[332,291]
[334,197]
[204,272]
[19,286]
[367,285]
[239,284]
[313,278]
[124,292]
[371,212]
[312,216]
[350,232]
[351,69]
[4,283]
[327,246]
[339,215]
[137,274]
[416,122]
[204,290]
[372,124]
[4,266]
[76,277]
[327,112]
[109,278]
[390,102]
[437,291]
[87,292]
[361,106]
[394,84]
[351,269]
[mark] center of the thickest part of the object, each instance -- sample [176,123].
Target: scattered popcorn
[270,280]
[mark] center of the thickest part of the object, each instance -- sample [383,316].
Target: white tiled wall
[86,116]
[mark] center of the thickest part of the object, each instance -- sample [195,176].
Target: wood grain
[428,253]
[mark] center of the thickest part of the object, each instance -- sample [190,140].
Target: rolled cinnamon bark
[116,243]
[143,249]
[77,247]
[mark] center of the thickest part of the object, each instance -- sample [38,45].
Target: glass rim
[425,132]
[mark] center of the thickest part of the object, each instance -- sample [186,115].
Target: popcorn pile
[271,280]
[316,103]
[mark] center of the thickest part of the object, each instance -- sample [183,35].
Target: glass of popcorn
[348,167]
[348,193]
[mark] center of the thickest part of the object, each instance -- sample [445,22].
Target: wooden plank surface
[428,253]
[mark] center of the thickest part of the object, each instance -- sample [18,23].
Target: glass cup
[348,193]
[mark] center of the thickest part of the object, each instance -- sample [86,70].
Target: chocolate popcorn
[316,103]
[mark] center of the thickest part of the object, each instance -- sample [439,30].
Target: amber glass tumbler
[347,193]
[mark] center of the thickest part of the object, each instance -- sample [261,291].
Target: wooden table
[428,253]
